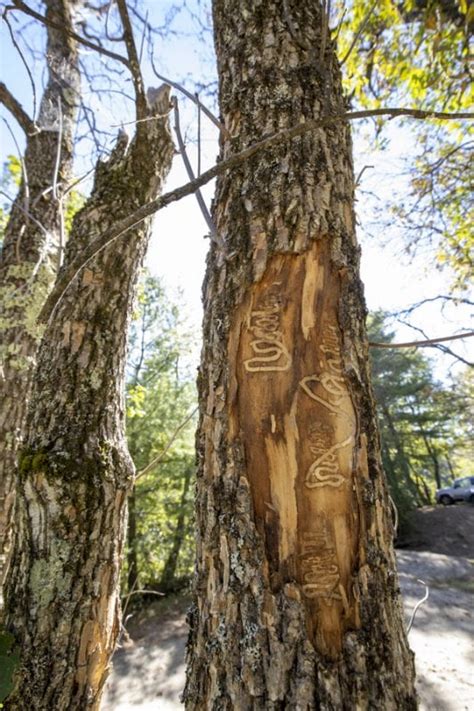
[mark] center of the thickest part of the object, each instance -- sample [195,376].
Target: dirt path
[149,675]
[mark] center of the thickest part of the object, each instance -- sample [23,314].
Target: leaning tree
[62,600]
[34,237]
[297,597]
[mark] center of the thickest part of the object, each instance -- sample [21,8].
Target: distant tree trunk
[450,466]
[132,554]
[401,459]
[62,591]
[169,570]
[31,247]
[298,604]
[433,456]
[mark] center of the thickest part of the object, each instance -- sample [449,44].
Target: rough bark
[62,598]
[297,597]
[29,259]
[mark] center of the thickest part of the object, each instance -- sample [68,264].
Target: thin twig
[198,137]
[418,604]
[187,164]
[20,5]
[28,214]
[150,208]
[357,180]
[154,462]
[362,27]
[326,11]
[339,24]
[24,172]
[429,342]
[77,181]
[440,297]
[442,348]
[59,198]
[193,98]
[142,40]
[22,57]
[134,62]
[141,592]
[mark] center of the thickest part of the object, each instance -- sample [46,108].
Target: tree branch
[428,342]
[20,5]
[441,297]
[133,61]
[154,462]
[187,164]
[17,110]
[135,218]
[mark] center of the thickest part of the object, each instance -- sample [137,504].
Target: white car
[462,490]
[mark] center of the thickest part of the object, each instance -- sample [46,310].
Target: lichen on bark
[62,593]
[297,601]
[31,247]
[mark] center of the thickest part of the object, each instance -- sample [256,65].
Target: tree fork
[297,599]
[61,595]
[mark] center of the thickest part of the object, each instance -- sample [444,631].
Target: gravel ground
[148,673]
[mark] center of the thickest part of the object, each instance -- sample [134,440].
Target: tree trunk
[171,563]
[297,597]
[132,555]
[62,592]
[401,459]
[432,455]
[31,248]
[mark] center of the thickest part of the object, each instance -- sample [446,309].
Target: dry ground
[148,674]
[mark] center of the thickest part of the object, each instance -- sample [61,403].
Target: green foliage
[9,660]
[412,50]
[11,178]
[160,396]
[418,419]
[10,182]
[417,52]
[74,202]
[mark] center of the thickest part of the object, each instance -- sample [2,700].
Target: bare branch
[134,62]
[428,342]
[17,110]
[20,5]
[441,297]
[58,197]
[362,27]
[193,98]
[22,57]
[437,345]
[358,179]
[187,164]
[135,218]
[142,592]
[154,462]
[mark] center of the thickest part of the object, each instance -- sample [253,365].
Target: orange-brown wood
[290,405]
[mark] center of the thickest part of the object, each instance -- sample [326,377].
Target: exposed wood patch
[291,407]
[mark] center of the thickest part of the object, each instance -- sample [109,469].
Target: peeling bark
[297,599]
[29,258]
[62,592]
